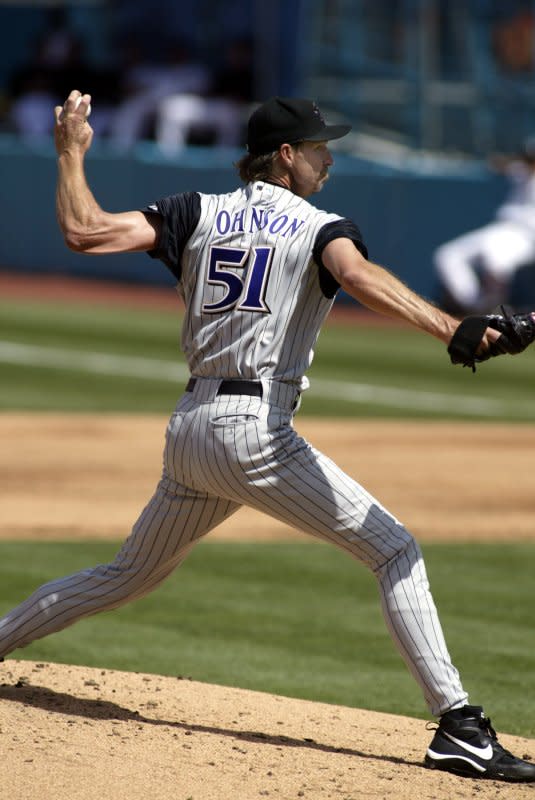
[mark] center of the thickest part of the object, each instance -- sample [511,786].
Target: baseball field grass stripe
[100,363]
[408,398]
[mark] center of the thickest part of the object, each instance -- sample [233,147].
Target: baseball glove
[517,332]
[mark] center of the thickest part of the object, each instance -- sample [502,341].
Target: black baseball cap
[288,120]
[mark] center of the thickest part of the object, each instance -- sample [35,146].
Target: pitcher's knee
[403,562]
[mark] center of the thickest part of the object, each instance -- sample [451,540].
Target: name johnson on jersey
[253,219]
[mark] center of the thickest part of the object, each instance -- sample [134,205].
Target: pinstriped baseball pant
[225,451]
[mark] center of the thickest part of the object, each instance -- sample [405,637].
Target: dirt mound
[86,733]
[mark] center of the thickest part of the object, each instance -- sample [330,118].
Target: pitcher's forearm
[383,292]
[86,227]
[77,211]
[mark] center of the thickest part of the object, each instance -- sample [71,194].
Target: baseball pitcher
[258,269]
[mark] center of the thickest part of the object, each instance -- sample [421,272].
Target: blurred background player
[475,271]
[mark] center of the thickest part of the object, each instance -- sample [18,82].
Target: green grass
[383,359]
[302,620]
[117,331]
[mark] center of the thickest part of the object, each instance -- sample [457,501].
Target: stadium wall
[403,215]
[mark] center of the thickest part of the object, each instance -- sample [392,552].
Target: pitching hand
[72,130]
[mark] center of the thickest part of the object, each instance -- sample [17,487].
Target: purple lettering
[223,222]
[257,220]
[237,225]
[294,226]
[278,224]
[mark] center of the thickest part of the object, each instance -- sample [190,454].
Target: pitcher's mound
[71,731]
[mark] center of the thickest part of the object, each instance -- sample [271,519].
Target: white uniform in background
[476,269]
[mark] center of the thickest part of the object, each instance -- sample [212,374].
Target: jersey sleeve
[339,229]
[180,214]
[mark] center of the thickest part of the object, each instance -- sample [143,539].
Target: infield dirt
[90,475]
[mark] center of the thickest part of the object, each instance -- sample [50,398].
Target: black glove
[517,332]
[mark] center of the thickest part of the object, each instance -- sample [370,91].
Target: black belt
[252,388]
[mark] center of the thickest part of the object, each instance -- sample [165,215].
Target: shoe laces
[485,725]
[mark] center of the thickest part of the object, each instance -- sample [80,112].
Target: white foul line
[410,398]
[90,361]
[176,372]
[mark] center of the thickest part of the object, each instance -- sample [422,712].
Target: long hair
[256,168]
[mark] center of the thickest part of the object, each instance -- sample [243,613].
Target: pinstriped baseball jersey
[250,272]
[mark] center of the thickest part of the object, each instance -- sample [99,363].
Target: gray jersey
[250,272]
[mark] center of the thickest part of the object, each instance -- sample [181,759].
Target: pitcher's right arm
[86,227]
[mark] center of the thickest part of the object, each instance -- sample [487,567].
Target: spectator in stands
[58,62]
[31,94]
[513,40]
[216,116]
[35,85]
[475,270]
[145,83]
